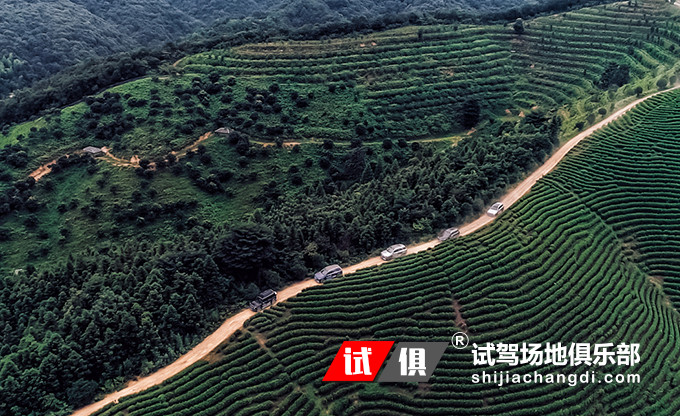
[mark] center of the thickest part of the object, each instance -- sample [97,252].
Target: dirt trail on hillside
[269,144]
[193,146]
[233,323]
[42,170]
[117,161]
[114,160]
[134,160]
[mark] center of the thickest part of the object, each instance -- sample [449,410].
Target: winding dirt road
[235,322]
[109,157]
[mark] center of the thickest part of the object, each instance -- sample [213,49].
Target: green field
[411,82]
[589,255]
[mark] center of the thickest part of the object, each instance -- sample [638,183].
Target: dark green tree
[518,26]
[470,113]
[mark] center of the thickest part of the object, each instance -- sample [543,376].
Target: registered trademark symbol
[460,340]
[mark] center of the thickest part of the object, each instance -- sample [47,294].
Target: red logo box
[358,361]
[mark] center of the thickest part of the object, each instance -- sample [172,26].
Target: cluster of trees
[14,155]
[615,74]
[367,204]
[17,197]
[247,114]
[69,330]
[116,125]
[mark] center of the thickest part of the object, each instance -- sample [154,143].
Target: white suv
[495,209]
[392,252]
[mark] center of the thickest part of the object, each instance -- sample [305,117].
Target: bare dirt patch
[448,72]
[213,357]
[42,171]
[261,339]
[423,388]
[460,321]
[657,280]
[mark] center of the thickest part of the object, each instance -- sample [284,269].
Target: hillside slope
[422,81]
[39,38]
[236,322]
[109,272]
[558,267]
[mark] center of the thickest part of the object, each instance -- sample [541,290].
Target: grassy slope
[576,260]
[383,76]
[555,63]
[379,79]
[115,187]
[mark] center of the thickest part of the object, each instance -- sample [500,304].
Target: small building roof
[223,130]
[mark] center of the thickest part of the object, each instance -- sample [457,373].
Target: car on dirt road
[328,273]
[392,252]
[448,234]
[495,209]
[263,300]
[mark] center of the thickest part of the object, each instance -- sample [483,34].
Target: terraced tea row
[428,72]
[576,260]
[632,183]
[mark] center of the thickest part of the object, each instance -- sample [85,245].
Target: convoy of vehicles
[328,273]
[268,297]
[495,209]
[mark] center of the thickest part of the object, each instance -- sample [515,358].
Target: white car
[449,233]
[495,209]
[392,252]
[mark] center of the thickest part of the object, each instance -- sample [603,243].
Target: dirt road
[235,322]
[42,170]
[193,146]
[109,157]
